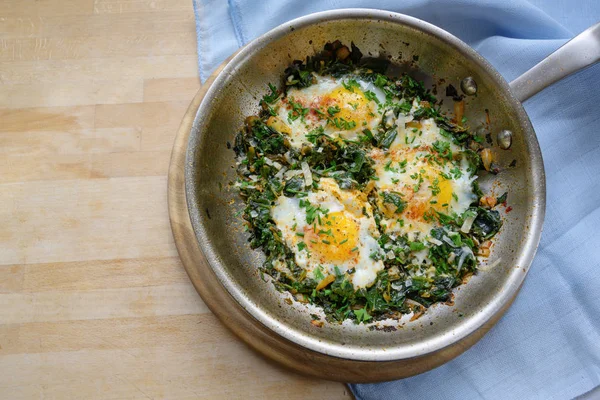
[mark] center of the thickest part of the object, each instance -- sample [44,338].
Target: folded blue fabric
[547,346]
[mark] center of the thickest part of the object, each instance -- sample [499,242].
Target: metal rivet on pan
[468,86]
[504,139]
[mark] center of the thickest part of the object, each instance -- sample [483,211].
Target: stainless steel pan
[351,352]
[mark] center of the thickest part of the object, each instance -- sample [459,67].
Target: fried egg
[342,107]
[427,171]
[331,228]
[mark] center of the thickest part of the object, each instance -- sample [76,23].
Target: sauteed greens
[361,194]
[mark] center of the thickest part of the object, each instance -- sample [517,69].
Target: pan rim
[402,352]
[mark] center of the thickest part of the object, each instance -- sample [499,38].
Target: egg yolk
[335,238]
[445,194]
[419,204]
[353,106]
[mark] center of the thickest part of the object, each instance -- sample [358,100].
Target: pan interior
[429,54]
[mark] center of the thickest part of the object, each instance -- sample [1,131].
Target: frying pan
[228,278]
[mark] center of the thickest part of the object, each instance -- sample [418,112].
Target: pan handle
[578,53]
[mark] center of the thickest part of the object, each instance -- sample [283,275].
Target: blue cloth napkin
[547,346]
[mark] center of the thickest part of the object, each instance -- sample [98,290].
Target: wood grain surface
[94,302]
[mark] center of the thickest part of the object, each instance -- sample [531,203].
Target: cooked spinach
[487,223]
[394,199]
[268,167]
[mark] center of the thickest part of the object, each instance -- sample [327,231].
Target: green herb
[351,84]
[342,124]
[404,107]
[319,112]
[380,81]
[371,96]
[312,212]
[502,199]
[435,187]
[333,110]
[362,315]
[419,178]
[386,139]
[314,135]
[294,186]
[297,110]
[388,167]
[367,136]
[416,246]
[325,232]
[456,172]
[443,149]
[319,274]
[272,97]
[395,199]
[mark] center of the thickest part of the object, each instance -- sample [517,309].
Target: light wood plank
[68,119]
[81,220]
[69,48]
[27,8]
[158,341]
[101,69]
[156,138]
[145,115]
[179,299]
[84,141]
[129,6]
[125,24]
[92,275]
[147,163]
[71,93]
[170,89]
[112,388]
[11,276]
[46,167]
[170,371]
[123,333]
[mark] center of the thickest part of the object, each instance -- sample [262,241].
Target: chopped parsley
[333,110]
[341,123]
[297,110]
[351,84]
[371,96]
[362,315]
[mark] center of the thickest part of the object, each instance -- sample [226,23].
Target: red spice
[508,209]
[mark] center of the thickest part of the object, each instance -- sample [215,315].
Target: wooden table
[94,302]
